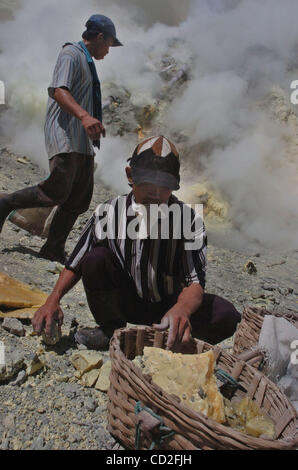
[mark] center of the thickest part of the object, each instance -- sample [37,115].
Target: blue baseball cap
[103,24]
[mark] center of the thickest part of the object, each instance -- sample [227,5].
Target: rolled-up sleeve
[94,234]
[85,244]
[64,73]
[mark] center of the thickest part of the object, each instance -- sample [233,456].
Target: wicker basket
[248,332]
[193,430]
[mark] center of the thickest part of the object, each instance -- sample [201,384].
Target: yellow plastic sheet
[20,296]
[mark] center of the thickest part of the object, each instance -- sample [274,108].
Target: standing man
[73,126]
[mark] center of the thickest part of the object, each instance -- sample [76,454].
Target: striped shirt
[64,133]
[159,267]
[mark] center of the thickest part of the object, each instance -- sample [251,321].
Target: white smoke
[237,50]
[237,57]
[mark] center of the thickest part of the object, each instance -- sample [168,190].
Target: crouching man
[137,265]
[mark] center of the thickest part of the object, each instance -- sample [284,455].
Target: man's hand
[178,317]
[93,127]
[45,316]
[178,322]
[51,310]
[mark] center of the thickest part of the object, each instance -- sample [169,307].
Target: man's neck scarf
[97,104]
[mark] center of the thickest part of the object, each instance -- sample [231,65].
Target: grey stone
[250,267]
[74,438]
[14,326]
[70,390]
[55,334]
[54,267]
[90,404]
[48,446]
[101,409]
[283,290]
[14,360]
[21,378]
[33,363]
[267,286]
[9,421]
[38,443]
[5,444]
[257,294]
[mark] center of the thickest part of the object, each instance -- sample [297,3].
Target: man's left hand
[179,326]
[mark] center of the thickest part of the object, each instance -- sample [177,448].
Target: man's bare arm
[92,126]
[178,317]
[51,310]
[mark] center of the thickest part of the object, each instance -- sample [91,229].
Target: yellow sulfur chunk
[245,416]
[84,361]
[103,381]
[16,294]
[89,378]
[260,425]
[185,375]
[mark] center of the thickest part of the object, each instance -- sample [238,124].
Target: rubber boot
[23,199]
[60,228]
[105,308]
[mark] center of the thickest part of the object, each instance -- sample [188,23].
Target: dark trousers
[70,183]
[113,301]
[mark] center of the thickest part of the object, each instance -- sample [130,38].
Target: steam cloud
[237,49]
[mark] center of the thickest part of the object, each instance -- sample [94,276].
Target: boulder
[14,326]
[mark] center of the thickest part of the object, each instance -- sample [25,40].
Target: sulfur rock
[89,378]
[55,335]
[33,364]
[14,326]
[84,361]
[188,376]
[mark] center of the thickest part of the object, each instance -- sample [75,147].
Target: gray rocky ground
[51,409]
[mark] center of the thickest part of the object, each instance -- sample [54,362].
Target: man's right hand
[45,316]
[93,127]
[51,311]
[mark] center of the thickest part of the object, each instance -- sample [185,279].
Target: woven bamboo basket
[192,430]
[248,333]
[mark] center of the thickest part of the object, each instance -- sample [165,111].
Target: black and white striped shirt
[159,267]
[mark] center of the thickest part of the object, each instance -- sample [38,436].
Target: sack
[36,220]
